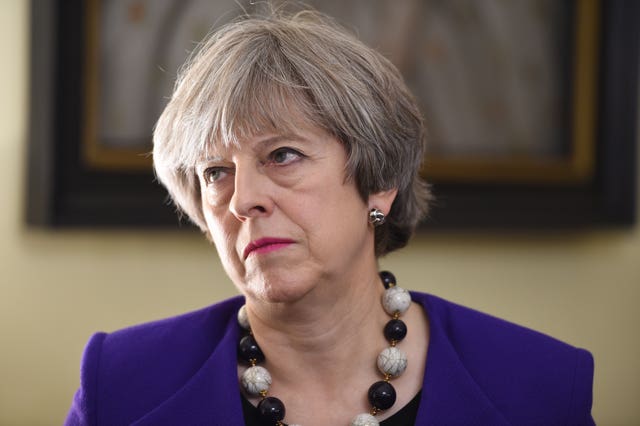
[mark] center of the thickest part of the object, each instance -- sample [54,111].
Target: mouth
[265,245]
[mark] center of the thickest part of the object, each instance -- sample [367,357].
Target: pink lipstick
[265,245]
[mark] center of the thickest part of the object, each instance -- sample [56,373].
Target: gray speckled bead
[396,299]
[256,379]
[364,419]
[243,319]
[392,361]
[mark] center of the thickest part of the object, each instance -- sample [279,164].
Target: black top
[405,417]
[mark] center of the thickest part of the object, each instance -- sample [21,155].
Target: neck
[322,330]
[323,354]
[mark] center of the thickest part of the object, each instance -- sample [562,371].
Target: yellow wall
[57,287]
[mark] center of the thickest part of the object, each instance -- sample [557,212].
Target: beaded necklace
[391,361]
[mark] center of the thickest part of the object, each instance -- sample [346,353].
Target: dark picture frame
[594,185]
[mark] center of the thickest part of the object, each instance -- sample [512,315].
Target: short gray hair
[246,76]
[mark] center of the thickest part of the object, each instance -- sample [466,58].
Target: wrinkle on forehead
[283,118]
[218,152]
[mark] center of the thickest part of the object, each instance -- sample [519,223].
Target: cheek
[215,198]
[208,198]
[229,257]
[222,234]
[339,217]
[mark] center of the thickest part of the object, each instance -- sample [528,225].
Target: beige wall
[56,288]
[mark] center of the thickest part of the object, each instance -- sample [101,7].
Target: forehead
[250,143]
[286,125]
[307,135]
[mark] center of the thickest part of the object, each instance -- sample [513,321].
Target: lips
[265,245]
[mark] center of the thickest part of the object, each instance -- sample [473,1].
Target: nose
[250,195]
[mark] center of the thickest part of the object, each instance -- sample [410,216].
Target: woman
[296,150]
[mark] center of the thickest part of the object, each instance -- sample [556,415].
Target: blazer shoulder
[466,327]
[529,376]
[168,345]
[83,407]
[132,370]
[201,327]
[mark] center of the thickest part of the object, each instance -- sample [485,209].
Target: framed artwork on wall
[531,106]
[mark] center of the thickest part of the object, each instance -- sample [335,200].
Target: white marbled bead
[396,299]
[243,319]
[256,379]
[392,361]
[364,419]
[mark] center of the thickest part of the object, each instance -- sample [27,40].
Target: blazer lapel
[450,396]
[211,397]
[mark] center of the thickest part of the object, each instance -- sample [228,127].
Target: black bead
[382,395]
[395,330]
[271,409]
[387,278]
[248,349]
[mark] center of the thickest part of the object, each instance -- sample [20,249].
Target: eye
[284,156]
[213,174]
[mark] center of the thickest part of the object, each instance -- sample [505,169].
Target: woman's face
[282,215]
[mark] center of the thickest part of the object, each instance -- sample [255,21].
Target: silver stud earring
[376,217]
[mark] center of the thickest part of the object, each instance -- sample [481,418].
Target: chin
[275,289]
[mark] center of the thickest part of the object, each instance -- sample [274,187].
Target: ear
[382,200]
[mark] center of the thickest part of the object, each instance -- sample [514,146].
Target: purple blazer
[480,371]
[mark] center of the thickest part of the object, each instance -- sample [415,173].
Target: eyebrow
[270,140]
[208,159]
[280,137]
